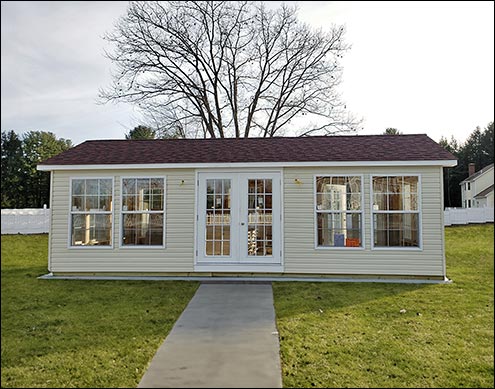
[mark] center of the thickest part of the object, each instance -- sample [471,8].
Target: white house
[477,189]
[341,206]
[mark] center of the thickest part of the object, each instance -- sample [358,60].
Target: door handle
[242,223]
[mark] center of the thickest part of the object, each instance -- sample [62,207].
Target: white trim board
[445,163]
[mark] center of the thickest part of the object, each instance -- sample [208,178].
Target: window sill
[396,248]
[343,248]
[147,247]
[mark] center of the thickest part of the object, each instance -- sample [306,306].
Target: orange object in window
[352,242]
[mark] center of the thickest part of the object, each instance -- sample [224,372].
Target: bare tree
[228,69]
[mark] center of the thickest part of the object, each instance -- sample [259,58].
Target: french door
[238,218]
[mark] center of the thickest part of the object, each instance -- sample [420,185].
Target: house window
[143,211]
[468,186]
[469,203]
[395,211]
[91,211]
[339,212]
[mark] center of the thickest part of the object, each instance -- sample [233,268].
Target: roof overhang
[483,196]
[224,165]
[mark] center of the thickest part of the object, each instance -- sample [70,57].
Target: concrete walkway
[226,337]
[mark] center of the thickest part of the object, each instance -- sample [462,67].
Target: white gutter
[444,163]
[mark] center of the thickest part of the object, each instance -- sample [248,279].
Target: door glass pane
[259,233]
[209,232]
[210,185]
[217,231]
[268,201]
[251,201]
[268,186]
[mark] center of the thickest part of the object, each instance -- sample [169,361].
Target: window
[143,211]
[339,212]
[91,211]
[469,203]
[468,186]
[395,211]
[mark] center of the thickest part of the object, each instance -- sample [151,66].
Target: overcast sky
[421,67]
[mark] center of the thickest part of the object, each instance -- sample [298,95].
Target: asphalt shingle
[417,147]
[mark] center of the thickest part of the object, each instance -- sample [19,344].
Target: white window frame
[71,212]
[317,247]
[121,213]
[419,212]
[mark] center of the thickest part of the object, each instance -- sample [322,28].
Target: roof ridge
[257,138]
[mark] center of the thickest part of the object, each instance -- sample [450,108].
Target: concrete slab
[225,338]
[216,279]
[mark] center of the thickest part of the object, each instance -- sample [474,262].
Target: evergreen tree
[12,171]
[38,146]
[477,149]
[141,132]
[392,131]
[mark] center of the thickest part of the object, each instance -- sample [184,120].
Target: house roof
[474,176]
[360,148]
[485,192]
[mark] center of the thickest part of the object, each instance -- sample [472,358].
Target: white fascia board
[445,163]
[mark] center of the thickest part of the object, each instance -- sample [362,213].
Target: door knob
[242,223]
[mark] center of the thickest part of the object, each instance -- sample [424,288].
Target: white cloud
[422,67]
[53,66]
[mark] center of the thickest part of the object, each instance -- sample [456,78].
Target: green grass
[66,333]
[353,334]
[104,333]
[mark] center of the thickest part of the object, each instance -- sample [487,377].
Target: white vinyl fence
[467,215]
[37,220]
[25,221]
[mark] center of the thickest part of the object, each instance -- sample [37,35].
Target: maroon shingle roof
[279,149]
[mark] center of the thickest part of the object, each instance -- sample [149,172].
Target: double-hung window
[143,212]
[395,211]
[91,212]
[339,211]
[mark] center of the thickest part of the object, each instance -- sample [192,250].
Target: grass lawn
[353,334]
[59,333]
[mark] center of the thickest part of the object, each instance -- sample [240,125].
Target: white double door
[238,218]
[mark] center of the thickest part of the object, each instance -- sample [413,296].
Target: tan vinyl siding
[301,256]
[177,256]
